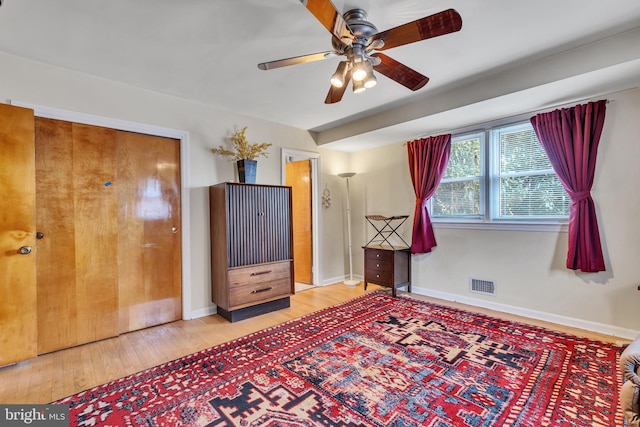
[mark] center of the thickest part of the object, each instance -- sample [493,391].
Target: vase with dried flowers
[245,155]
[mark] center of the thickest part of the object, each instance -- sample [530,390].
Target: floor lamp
[351,281]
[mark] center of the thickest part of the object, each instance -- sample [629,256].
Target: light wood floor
[59,374]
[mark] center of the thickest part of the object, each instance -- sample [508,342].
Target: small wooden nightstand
[387,266]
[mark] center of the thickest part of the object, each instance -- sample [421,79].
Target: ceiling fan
[358,39]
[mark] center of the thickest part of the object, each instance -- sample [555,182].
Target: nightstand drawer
[379,254]
[379,277]
[378,265]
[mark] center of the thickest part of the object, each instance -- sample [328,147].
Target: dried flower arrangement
[242,149]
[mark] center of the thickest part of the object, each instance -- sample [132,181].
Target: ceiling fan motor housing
[356,19]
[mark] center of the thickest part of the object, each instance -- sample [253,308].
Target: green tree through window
[499,175]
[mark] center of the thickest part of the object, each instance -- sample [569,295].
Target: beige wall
[528,267]
[334,263]
[40,84]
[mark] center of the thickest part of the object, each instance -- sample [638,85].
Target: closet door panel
[18,321]
[150,275]
[56,257]
[95,218]
[76,213]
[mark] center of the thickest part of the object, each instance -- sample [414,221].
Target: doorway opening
[300,171]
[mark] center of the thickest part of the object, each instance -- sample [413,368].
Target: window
[499,175]
[459,194]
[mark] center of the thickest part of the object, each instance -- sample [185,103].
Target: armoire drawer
[259,282]
[258,273]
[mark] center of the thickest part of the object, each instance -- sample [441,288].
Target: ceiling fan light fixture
[370,81]
[359,71]
[358,39]
[358,86]
[338,78]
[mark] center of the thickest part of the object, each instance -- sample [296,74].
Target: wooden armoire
[251,249]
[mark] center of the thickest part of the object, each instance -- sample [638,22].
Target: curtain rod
[508,118]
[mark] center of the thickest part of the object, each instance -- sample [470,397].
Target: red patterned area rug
[373,361]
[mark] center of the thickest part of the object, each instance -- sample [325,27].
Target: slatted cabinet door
[259,224]
[18,324]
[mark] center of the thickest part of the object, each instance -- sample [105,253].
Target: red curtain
[570,138]
[428,158]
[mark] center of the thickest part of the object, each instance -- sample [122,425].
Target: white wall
[528,267]
[36,83]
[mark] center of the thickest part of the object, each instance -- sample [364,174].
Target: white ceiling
[503,62]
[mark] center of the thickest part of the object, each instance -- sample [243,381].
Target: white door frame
[292,155]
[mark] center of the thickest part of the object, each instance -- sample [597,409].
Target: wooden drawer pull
[255,291]
[258,273]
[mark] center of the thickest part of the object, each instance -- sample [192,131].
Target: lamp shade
[359,72]
[346,174]
[337,80]
[358,86]
[370,81]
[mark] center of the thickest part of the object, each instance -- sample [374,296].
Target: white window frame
[489,190]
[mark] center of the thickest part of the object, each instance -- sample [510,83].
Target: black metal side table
[388,229]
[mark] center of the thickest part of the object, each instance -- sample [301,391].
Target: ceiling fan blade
[335,93]
[296,60]
[445,22]
[400,73]
[326,13]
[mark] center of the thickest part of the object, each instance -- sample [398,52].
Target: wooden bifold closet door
[150,263]
[18,324]
[108,210]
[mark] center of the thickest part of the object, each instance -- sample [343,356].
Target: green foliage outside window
[523,184]
[459,191]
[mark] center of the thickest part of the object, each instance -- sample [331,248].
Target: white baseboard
[339,279]
[203,312]
[586,325]
[533,314]
[210,311]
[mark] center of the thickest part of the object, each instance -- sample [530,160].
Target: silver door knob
[25,250]
[174,230]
